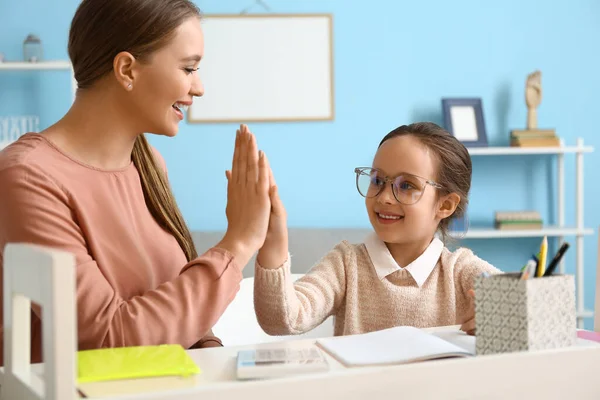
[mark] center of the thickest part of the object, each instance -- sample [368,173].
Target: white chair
[597,305]
[238,325]
[47,277]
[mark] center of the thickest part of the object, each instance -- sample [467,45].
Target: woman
[92,185]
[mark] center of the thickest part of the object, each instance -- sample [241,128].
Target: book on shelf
[518,226]
[534,138]
[533,133]
[535,142]
[517,220]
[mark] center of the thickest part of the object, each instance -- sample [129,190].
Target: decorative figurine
[532,136]
[533,97]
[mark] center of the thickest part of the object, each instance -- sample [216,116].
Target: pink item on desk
[588,335]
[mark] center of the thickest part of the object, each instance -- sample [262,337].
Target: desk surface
[558,371]
[218,367]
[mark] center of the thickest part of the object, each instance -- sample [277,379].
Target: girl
[402,274]
[92,185]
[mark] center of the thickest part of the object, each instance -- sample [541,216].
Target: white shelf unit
[550,231]
[560,230]
[38,66]
[515,151]
[57,65]
[35,66]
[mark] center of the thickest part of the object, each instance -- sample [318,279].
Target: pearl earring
[129,86]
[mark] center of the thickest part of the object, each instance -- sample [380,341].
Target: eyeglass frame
[360,171]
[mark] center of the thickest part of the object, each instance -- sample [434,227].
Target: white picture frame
[266,68]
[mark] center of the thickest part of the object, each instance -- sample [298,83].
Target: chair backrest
[238,325]
[597,305]
[308,245]
[46,277]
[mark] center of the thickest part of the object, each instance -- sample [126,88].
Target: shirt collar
[419,269]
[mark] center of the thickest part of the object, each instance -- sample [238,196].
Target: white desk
[548,374]
[556,374]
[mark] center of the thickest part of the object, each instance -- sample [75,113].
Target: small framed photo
[463,118]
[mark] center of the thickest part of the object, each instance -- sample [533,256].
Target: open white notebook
[402,344]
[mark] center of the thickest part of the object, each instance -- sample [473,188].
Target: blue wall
[394,61]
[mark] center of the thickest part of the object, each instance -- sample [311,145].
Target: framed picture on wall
[463,118]
[293,80]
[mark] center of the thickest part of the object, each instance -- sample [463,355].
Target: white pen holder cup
[513,315]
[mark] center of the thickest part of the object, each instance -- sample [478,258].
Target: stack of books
[121,371]
[534,138]
[509,220]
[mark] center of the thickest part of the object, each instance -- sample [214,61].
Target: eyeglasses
[407,188]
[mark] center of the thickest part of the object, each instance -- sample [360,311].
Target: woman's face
[166,84]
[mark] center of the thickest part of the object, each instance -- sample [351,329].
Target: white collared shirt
[419,269]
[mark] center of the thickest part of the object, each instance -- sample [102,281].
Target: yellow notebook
[134,362]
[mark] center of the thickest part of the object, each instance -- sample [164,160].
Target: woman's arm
[35,210]
[210,340]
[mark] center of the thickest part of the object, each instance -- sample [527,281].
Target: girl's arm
[284,307]
[468,266]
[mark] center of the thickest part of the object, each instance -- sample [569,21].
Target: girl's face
[415,167]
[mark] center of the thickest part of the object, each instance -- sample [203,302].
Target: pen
[542,262]
[554,263]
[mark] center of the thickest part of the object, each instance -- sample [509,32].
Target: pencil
[542,262]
